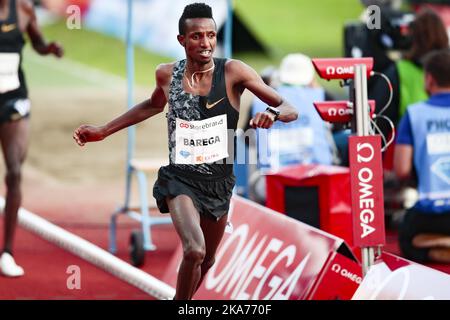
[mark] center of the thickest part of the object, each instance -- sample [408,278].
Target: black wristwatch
[274,111]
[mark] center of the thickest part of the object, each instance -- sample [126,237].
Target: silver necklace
[192,77]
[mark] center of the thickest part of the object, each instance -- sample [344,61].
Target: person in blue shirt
[307,140]
[423,148]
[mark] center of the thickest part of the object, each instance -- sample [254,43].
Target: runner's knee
[194,254]
[13,176]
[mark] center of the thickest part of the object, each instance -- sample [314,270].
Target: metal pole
[228,47]
[363,129]
[361,101]
[130,100]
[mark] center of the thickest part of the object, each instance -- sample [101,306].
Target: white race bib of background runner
[9,72]
[203,141]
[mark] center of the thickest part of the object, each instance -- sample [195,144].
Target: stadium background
[77,188]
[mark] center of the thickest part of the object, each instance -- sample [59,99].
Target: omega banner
[270,256]
[367,191]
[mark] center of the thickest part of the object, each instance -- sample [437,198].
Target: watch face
[274,111]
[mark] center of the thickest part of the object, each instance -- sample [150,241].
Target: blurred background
[78,188]
[89,84]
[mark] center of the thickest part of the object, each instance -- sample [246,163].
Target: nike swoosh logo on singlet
[209,106]
[8,27]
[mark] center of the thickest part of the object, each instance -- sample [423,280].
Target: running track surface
[46,264]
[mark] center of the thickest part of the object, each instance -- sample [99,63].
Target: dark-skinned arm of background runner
[35,34]
[140,112]
[248,78]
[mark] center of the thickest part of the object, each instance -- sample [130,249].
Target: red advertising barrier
[269,256]
[367,191]
[338,269]
[289,192]
[395,278]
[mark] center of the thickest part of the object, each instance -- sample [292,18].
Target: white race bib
[9,72]
[203,141]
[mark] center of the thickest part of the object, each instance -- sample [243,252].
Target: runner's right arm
[37,39]
[140,112]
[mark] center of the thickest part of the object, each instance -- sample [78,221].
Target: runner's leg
[213,232]
[14,141]
[186,220]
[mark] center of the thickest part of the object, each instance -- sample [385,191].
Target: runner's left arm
[37,39]
[249,79]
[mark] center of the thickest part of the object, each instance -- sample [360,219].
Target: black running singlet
[11,45]
[185,106]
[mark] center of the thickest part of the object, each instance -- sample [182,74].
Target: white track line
[93,254]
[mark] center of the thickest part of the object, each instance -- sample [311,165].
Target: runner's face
[200,39]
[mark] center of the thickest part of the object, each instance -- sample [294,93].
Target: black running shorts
[14,109]
[211,196]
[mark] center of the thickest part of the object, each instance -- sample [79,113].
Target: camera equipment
[391,35]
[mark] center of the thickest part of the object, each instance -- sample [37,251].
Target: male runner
[204,96]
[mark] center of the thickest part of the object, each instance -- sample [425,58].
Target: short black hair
[437,63]
[194,10]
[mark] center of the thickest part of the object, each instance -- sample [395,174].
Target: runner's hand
[86,133]
[55,49]
[262,120]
